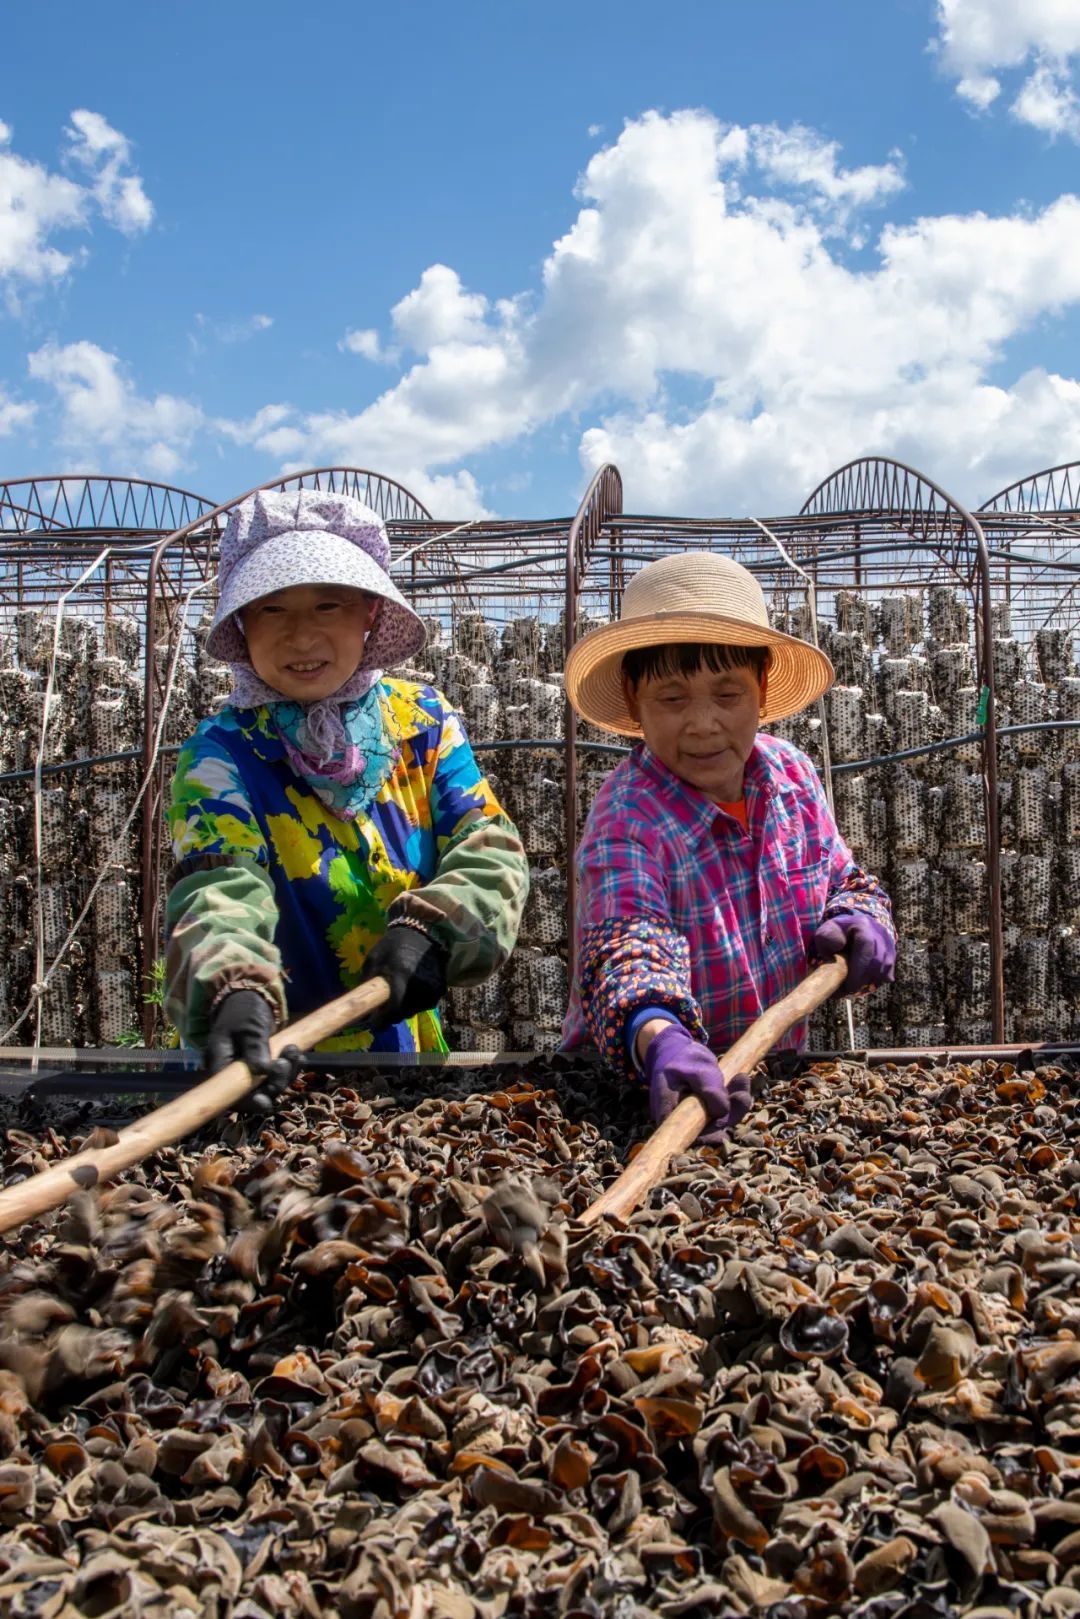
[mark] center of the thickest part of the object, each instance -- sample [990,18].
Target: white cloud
[36,205]
[1047,101]
[978,40]
[981,90]
[439,311]
[807,361]
[801,157]
[252,431]
[980,34]
[367,343]
[230,331]
[13,414]
[452,495]
[95,146]
[268,431]
[101,413]
[33,205]
[702,323]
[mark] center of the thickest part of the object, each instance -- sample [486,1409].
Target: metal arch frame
[1040,514]
[872,483]
[97,491]
[602,501]
[52,525]
[871,476]
[401,506]
[873,490]
[886,490]
[151,804]
[1003,501]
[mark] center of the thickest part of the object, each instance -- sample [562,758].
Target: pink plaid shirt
[679,907]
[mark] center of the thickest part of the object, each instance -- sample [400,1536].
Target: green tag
[984,704]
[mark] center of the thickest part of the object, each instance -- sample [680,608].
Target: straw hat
[693,596]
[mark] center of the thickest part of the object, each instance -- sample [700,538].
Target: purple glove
[869,947]
[677,1065]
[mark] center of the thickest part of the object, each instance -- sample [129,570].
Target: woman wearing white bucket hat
[329,824]
[711,868]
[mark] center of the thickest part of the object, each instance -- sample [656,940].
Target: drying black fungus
[362,1360]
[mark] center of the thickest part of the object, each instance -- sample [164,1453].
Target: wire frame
[1032,528]
[881,566]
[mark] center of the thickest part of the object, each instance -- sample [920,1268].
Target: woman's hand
[869,947]
[675,1065]
[415,968]
[240,1028]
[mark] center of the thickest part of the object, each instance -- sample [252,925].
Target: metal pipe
[602,499]
[122,1070]
[552,744]
[997,1051]
[993,806]
[877,484]
[822,708]
[556,744]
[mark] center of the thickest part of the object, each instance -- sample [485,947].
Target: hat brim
[798,673]
[315,557]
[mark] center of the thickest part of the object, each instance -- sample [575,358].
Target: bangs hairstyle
[687,657]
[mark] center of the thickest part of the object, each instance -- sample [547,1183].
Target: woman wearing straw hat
[711,868]
[329,824]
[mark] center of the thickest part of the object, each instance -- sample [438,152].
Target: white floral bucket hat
[310,537]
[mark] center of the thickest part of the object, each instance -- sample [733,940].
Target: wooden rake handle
[181,1116]
[682,1127]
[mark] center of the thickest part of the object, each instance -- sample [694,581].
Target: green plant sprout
[154,995]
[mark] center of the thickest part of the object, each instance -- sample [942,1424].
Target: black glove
[240,1027]
[415,968]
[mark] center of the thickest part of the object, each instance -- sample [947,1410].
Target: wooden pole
[682,1127]
[181,1116]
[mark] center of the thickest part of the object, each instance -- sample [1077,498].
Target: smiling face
[308,640]
[700,722]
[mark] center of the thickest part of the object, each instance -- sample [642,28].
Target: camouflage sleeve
[221,915]
[220,921]
[473,904]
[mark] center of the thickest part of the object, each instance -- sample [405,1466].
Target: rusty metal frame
[1055,489]
[1033,531]
[26,519]
[392,501]
[95,503]
[50,524]
[602,501]
[852,520]
[901,497]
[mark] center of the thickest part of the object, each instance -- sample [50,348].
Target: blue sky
[484,247]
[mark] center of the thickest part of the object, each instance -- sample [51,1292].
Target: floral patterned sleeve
[629,953]
[473,903]
[221,915]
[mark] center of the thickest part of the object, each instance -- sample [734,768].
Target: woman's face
[701,725]
[308,640]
